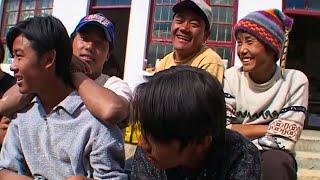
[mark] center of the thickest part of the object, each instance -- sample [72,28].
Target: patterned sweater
[281,103]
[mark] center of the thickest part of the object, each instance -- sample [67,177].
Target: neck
[182,56]
[261,77]
[53,93]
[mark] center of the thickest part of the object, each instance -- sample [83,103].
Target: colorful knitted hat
[268,26]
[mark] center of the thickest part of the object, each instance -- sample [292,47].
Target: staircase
[308,155]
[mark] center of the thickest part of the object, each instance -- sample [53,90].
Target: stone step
[308,160]
[306,174]
[309,141]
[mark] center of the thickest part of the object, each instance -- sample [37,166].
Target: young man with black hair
[54,136]
[181,112]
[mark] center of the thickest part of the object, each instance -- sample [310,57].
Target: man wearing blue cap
[106,97]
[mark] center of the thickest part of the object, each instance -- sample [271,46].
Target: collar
[70,104]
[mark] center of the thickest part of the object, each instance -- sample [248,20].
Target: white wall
[70,12]
[136,42]
[247,6]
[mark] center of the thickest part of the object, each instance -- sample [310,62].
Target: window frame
[94,7]
[304,11]
[211,43]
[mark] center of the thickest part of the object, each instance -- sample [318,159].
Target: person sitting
[265,102]
[54,136]
[181,114]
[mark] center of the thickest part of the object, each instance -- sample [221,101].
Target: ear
[206,35]
[49,59]
[204,143]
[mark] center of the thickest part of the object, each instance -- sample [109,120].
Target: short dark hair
[46,34]
[183,103]
[2,52]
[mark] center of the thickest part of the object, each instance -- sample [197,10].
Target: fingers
[77,65]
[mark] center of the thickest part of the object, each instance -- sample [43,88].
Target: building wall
[70,12]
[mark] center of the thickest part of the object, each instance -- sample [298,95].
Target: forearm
[6,174]
[250,131]
[101,102]
[13,100]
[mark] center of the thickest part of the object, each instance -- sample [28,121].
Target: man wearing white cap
[190,29]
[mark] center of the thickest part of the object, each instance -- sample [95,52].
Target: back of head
[183,103]
[46,34]
[268,26]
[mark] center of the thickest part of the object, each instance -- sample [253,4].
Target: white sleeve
[119,86]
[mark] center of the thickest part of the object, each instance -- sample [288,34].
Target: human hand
[76,65]
[4,123]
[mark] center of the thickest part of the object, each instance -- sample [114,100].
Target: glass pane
[221,2]
[221,32]
[28,4]
[222,14]
[111,2]
[159,2]
[157,51]
[163,13]
[295,4]
[12,5]
[25,14]
[45,12]
[11,18]
[224,52]
[46,4]
[161,30]
[314,4]
[7,56]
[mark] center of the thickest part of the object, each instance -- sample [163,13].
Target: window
[310,7]
[221,39]
[103,4]
[17,10]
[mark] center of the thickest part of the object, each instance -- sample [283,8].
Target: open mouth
[86,58]
[184,38]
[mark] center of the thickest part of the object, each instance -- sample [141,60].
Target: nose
[185,26]
[13,66]
[88,45]
[242,50]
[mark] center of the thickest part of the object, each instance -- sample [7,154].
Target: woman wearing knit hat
[265,102]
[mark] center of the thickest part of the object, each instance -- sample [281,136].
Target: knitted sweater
[281,103]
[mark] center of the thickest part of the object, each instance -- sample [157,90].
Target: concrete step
[308,160]
[309,141]
[306,174]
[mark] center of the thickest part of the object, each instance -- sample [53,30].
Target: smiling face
[91,46]
[188,32]
[254,55]
[26,66]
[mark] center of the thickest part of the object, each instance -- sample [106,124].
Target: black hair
[183,103]
[2,52]
[46,34]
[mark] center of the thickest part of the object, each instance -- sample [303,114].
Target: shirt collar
[70,104]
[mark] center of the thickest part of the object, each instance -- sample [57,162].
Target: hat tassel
[285,51]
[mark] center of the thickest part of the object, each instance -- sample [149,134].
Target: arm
[12,161]
[287,128]
[13,100]
[6,174]
[100,101]
[250,131]
[77,177]
[107,154]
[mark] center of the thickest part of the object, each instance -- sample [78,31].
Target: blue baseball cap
[101,21]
